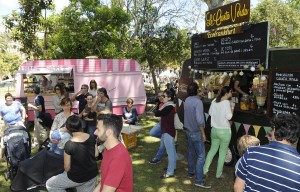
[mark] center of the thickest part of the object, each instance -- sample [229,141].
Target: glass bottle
[245,104]
[252,102]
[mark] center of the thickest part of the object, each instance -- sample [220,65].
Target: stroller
[17,147]
[36,170]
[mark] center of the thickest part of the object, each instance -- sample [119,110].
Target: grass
[146,176]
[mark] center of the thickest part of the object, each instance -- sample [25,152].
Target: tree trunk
[152,71]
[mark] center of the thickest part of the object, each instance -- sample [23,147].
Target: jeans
[220,139]
[167,143]
[195,149]
[156,131]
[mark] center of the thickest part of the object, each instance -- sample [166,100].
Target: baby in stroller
[62,136]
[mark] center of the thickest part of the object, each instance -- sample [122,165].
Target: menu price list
[231,52]
[285,95]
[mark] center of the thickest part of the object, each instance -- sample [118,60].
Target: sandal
[165,176]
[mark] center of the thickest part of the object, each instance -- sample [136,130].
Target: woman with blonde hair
[243,144]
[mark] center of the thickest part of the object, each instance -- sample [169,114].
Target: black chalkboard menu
[232,51]
[284,92]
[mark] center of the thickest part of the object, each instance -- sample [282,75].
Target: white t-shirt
[53,79]
[220,114]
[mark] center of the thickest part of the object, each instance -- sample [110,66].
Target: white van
[121,77]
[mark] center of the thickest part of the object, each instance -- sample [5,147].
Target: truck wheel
[230,157]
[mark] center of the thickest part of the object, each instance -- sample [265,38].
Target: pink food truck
[121,77]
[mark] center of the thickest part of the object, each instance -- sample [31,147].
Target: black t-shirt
[83,162]
[90,115]
[245,82]
[82,101]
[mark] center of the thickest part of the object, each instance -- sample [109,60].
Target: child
[62,136]
[243,143]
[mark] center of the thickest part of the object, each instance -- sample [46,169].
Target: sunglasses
[164,96]
[83,88]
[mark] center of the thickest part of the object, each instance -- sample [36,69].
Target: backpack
[46,119]
[177,123]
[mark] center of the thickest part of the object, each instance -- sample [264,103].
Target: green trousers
[220,139]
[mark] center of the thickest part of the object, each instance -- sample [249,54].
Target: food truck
[121,77]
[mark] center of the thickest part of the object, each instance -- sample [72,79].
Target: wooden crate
[129,140]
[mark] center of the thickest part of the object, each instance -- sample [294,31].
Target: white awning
[44,70]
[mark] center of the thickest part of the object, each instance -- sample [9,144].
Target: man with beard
[116,165]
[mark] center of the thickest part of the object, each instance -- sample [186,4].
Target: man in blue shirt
[276,166]
[39,106]
[194,122]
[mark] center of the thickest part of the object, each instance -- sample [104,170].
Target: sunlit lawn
[146,176]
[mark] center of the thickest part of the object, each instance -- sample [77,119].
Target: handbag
[177,123]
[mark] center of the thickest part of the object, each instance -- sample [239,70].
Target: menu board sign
[229,14]
[284,92]
[249,47]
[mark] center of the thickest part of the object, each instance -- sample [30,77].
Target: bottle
[209,95]
[245,104]
[252,102]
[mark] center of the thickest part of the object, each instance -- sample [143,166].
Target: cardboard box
[129,140]
[129,134]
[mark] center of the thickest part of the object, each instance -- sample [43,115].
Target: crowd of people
[261,168]
[76,137]
[272,167]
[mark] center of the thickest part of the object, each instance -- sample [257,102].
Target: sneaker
[203,185]
[154,161]
[165,176]
[191,175]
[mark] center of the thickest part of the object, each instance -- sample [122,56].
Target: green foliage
[9,62]
[25,24]
[284,22]
[82,30]
[295,4]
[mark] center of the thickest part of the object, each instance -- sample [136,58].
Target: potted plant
[260,92]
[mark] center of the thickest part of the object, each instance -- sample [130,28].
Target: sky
[6,7]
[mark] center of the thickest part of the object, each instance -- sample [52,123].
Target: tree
[294,4]
[284,22]
[9,62]
[154,38]
[88,28]
[24,26]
